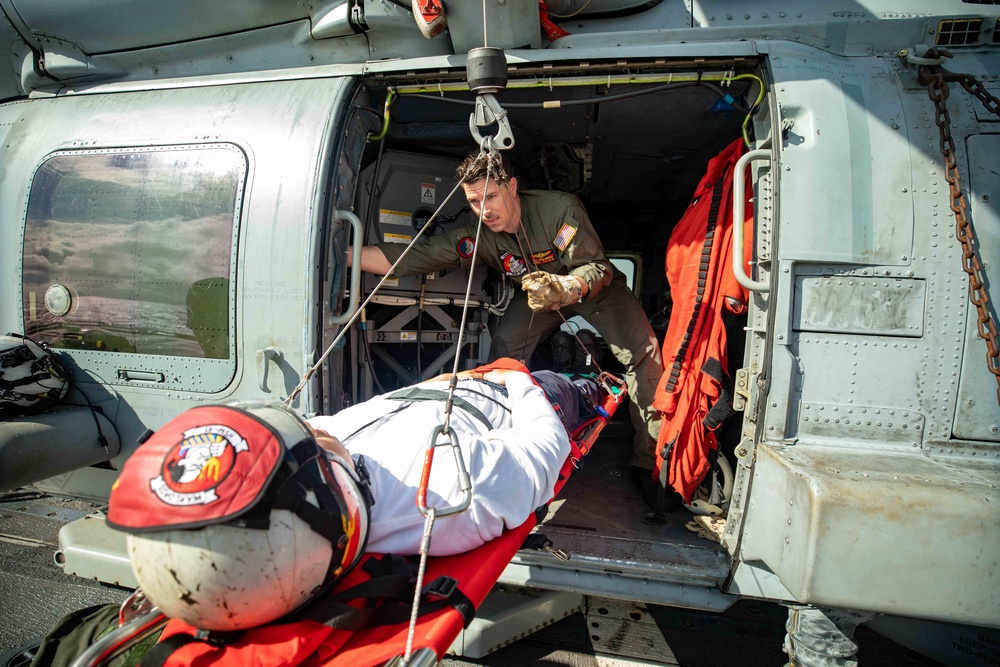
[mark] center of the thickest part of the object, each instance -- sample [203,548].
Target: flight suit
[557,237]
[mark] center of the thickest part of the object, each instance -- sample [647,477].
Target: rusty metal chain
[978,90]
[936,79]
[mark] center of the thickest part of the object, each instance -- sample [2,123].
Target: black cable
[420,326]
[101,438]
[371,365]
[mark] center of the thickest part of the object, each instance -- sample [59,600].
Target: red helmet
[236,517]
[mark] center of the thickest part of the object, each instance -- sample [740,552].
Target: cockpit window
[132,250]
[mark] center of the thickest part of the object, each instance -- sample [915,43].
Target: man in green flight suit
[545,241]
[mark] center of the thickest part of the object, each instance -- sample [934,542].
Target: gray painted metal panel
[849,304]
[97,26]
[139,40]
[508,615]
[859,425]
[286,130]
[90,549]
[617,587]
[53,442]
[845,166]
[756,581]
[286,45]
[841,27]
[897,533]
[978,414]
[9,42]
[512,24]
[857,362]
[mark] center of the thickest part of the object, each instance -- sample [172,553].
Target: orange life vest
[692,394]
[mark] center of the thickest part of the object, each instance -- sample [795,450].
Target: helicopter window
[132,250]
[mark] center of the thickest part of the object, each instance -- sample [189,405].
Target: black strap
[7,385]
[723,408]
[706,257]
[424,394]
[347,437]
[161,652]
[444,591]
[536,541]
[388,598]
[660,510]
[16,356]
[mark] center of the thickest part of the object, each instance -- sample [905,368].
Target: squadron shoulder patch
[565,235]
[466,246]
[512,264]
[544,257]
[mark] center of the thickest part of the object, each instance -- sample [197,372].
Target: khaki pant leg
[618,317]
[519,332]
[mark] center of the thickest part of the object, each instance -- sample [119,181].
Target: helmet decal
[209,464]
[354,513]
[194,467]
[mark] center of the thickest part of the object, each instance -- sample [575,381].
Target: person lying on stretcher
[239,515]
[512,442]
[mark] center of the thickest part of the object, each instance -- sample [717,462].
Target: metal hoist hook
[488,112]
[486,68]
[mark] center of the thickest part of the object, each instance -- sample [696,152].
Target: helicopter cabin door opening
[632,141]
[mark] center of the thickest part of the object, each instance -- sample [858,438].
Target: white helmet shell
[225,577]
[31,379]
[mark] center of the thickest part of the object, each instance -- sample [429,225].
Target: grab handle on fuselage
[738,218]
[356,242]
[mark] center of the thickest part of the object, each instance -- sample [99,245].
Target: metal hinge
[741,390]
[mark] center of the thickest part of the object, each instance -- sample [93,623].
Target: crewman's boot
[562,351]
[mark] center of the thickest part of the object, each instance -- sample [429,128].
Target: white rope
[425,542]
[308,375]
[425,547]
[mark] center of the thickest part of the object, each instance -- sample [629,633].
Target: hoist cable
[308,375]
[431,513]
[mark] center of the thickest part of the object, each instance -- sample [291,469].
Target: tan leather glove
[547,291]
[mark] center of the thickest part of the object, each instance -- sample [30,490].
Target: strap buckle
[441,588]
[365,478]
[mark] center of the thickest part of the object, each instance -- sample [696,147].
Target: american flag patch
[565,235]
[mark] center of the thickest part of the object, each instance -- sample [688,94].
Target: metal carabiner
[464,482]
[489,112]
[613,385]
